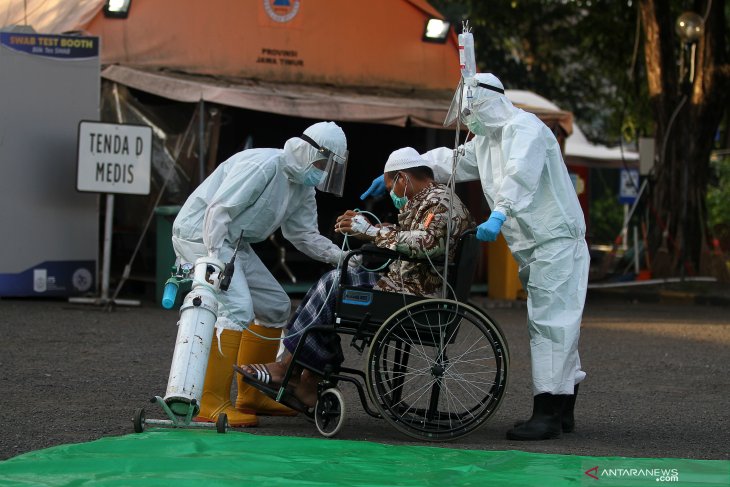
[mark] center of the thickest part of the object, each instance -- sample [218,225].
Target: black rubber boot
[545,423]
[567,419]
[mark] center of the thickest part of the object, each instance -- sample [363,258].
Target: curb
[662,296]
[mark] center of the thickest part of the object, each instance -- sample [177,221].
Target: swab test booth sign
[48,83]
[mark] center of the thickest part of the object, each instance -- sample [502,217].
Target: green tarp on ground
[204,457]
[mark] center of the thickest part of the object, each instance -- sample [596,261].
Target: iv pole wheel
[138,420]
[221,424]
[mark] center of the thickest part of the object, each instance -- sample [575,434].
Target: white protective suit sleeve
[441,161]
[302,230]
[526,152]
[238,192]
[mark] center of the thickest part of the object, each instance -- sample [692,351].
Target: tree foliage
[614,64]
[581,55]
[718,194]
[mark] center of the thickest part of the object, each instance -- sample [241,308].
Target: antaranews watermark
[627,472]
[656,474]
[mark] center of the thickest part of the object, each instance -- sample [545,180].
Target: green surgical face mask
[476,127]
[398,201]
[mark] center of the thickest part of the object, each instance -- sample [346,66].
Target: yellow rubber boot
[257,350]
[218,379]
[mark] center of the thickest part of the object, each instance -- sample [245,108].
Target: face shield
[468,98]
[334,165]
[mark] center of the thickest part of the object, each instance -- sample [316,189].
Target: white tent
[49,18]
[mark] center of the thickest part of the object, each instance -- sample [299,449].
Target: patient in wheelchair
[421,231]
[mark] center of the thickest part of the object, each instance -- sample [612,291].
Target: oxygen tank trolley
[196,327]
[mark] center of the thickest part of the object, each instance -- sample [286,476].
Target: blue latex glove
[377,188]
[488,231]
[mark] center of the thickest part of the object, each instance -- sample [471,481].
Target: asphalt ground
[657,386]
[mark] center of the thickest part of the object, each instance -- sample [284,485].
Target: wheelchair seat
[366,309]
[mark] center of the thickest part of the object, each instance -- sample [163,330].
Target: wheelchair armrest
[346,264]
[370,249]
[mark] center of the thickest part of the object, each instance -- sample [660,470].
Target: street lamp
[689,28]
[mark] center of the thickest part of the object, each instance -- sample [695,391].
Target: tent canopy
[344,61]
[377,43]
[424,108]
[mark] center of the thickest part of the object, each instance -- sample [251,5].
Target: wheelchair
[436,369]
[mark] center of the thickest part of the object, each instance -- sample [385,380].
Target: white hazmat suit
[258,191]
[523,176]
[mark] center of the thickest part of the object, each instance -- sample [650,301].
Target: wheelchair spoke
[425,368]
[461,377]
[486,393]
[461,403]
[425,388]
[417,373]
[473,361]
[471,349]
[413,376]
[457,377]
[407,378]
[428,325]
[422,352]
[461,383]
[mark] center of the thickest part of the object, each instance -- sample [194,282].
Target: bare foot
[306,390]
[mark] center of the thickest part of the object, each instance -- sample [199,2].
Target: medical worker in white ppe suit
[534,204]
[258,191]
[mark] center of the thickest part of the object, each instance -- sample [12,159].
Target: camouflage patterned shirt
[421,232]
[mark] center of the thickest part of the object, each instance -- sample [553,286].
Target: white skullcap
[404,158]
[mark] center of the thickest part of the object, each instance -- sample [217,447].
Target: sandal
[260,373]
[271,389]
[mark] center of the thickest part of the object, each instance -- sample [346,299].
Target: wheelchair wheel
[438,369]
[329,413]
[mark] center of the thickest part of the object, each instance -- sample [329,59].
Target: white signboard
[114,158]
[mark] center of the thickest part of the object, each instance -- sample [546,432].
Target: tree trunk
[686,119]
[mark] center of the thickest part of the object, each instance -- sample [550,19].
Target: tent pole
[201,140]
[107,253]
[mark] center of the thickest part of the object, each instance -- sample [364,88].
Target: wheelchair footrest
[287,398]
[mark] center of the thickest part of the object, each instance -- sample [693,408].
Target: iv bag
[467,60]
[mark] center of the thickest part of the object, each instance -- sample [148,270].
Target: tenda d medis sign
[114,158]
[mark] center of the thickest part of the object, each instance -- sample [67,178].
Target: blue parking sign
[628,186]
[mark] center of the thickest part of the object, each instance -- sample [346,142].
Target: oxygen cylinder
[467,59]
[198,315]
